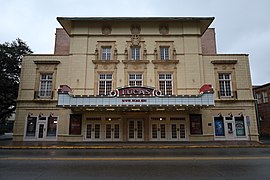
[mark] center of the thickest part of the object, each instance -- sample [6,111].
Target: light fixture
[160,109]
[40,115]
[230,114]
[241,114]
[161,119]
[180,109]
[51,114]
[219,114]
[109,119]
[29,115]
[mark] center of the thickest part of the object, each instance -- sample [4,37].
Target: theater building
[135,79]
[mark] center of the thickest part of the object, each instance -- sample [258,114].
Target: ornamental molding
[224,61]
[106,29]
[135,29]
[164,29]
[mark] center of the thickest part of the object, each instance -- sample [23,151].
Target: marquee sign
[135,96]
[136,90]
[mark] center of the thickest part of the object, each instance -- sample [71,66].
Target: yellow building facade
[135,79]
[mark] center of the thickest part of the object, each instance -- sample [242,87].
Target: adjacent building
[262,94]
[135,79]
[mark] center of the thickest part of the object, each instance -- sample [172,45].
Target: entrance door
[135,130]
[229,129]
[93,131]
[112,132]
[178,131]
[158,131]
[41,131]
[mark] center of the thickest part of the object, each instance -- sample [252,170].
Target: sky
[242,26]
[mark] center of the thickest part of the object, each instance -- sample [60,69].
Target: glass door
[41,131]
[158,131]
[178,131]
[93,132]
[135,130]
[112,132]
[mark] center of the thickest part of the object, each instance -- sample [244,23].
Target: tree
[11,55]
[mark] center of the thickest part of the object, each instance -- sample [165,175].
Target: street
[186,163]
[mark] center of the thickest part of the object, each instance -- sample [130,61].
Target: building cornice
[68,22]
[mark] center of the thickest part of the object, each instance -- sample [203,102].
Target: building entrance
[178,131]
[158,131]
[112,132]
[230,128]
[93,131]
[41,131]
[135,130]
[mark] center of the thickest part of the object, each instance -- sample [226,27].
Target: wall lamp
[241,114]
[29,114]
[40,115]
[51,114]
[230,114]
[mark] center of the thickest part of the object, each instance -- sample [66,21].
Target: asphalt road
[197,163]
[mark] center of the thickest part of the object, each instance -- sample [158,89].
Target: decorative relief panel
[164,29]
[100,64]
[135,29]
[106,29]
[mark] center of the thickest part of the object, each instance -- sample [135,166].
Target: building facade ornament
[164,29]
[135,29]
[135,40]
[106,29]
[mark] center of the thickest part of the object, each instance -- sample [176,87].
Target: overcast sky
[242,26]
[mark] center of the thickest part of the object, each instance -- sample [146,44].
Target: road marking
[134,158]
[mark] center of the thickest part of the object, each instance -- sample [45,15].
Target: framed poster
[195,123]
[75,124]
[240,126]
[219,126]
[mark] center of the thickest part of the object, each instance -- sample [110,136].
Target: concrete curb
[136,147]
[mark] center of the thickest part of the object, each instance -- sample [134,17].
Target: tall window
[45,89]
[105,84]
[165,84]
[225,85]
[135,79]
[259,98]
[106,53]
[164,53]
[264,97]
[135,53]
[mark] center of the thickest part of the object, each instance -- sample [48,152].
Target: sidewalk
[7,143]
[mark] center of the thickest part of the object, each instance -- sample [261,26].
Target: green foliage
[11,55]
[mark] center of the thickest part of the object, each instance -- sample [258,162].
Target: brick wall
[62,42]
[209,42]
[264,110]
